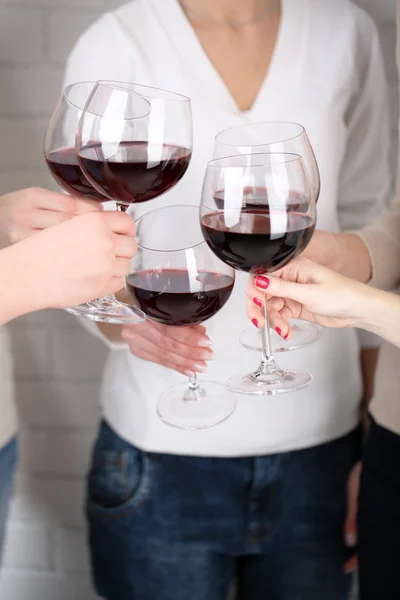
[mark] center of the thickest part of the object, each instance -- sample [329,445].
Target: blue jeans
[8,464]
[166,527]
[379,516]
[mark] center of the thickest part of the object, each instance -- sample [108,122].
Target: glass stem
[266,338]
[194,382]
[267,366]
[193,392]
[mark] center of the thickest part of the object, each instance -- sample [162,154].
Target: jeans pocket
[119,480]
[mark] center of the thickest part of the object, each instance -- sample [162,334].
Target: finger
[284,289]
[43,219]
[275,303]
[54,201]
[83,206]
[120,222]
[143,354]
[113,286]
[122,267]
[279,324]
[250,287]
[182,363]
[186,336]
[255,315]
[255,296]
[125,246]
[351,565]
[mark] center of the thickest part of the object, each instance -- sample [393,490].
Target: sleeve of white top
[365,181]
[100,53]
[383,238]
[92,328]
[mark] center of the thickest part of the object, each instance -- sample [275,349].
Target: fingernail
[351,540]
[204,343]
[255,322]
[189,373]
[286,337]
[257,302]
[199,367]
[208,355]
[278,331]
[262,282]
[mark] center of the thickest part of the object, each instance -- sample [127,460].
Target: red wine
[256,198]
[251,244]
[133,173]
[172,298]
[65,169]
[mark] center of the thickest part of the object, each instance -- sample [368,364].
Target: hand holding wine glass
[177,281]
[28,211]
[183,349]
[57,267]
[259,238]
[86,271]
[308,291]
[107,141]
[273,137]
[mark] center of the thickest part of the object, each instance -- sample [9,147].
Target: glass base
[193,409]
[303,334]
[109,310]
[268,381]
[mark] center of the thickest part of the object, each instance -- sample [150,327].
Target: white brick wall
[57,364]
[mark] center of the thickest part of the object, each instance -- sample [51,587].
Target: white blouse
[326,73]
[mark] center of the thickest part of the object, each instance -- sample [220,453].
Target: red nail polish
[255,322]
[262,282]
[257,302]
[278,331]
[286,337]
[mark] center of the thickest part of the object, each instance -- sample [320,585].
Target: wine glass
[133,161]
[273,136]
[176,280]
[259,239]
[62,160]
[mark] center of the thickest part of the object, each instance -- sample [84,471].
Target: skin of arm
[380,314]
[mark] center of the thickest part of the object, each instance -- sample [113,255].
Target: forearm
[381,315]
[350,257]
[19,292]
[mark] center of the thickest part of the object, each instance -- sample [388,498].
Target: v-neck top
[292,33]
[330,79]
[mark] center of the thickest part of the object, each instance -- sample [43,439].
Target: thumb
[83,206]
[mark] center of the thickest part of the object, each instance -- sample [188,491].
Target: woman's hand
[28,211]
[307,291]
[183,349]
[81,259]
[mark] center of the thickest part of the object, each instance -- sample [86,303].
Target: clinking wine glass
[259,239]
[273,136]
[177,280]
[62,160]
[132,162]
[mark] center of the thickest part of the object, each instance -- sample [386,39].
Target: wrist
[379,313]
